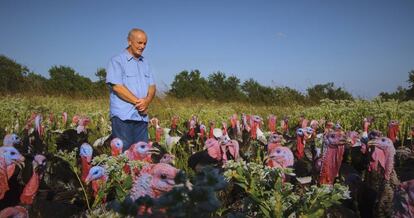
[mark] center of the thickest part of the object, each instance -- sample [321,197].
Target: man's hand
[142,105]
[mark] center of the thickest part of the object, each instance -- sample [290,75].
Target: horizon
[364,47]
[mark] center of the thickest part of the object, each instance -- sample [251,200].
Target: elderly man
[132,89]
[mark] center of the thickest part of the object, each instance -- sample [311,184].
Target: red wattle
[86,166]
[30,190]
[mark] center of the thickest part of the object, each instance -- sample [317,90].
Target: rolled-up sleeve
[114,71]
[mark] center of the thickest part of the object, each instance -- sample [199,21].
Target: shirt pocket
[131,80]
[130,74]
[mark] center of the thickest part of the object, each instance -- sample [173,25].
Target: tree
[65,80]
[225,89]
[101,74]
[410,91]
[36,83]
[257,93]
[286,96]
[233,88]
[11,75]
[190,85]
[327,90]
[100,85]
[400,94]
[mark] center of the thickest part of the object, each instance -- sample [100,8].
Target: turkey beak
[154,150]
[20,163]
[173,162]
[170,182]
[343,141]
[372,143]
[42,166]
[87,180]
[349,140]
[266,158]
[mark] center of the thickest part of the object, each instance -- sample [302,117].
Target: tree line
[63,80]
[228,89]
[18,79]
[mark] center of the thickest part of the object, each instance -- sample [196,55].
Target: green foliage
[225,89]
[118,181]
[191,84]
[70,158]
[15,78]
[258,94]
[400,94]
[12,75]
[195,199]
[327,91]
[262,187]
[317,199]
[16,110]
[68,82]
[228,89]
[198,198]
[410,91]
[268,196]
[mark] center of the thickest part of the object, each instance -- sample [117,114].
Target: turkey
[333,150]
[355,154]
[11,140]
[97,176]
[14,212]
[32,186]
[404,200]
[155,130]
[393,129]
[271,123]
[382,176]
[173,131]
[116,146]
[168,159]
[202,134]
[8,157]
[73,138]
[274,141]
[153,181]
[302,134]
[205,157]
[284,125]
[163,154]
[365,127]
[216,152]
[32,137]
[141,151]
[85,153]
[280,157]
[234,129]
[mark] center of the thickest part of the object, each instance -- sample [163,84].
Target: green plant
[70,158]
[267,195]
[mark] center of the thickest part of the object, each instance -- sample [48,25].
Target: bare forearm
[124,93]
[151,93]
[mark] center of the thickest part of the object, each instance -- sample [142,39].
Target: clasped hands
[142,105]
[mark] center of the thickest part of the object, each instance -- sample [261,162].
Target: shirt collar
[130,57]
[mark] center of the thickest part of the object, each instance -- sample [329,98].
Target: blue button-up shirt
[136,75]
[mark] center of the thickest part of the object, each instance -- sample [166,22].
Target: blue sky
[364,46]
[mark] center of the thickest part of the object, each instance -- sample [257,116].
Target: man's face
[137,42]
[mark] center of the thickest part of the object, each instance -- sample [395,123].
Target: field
[263,190]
